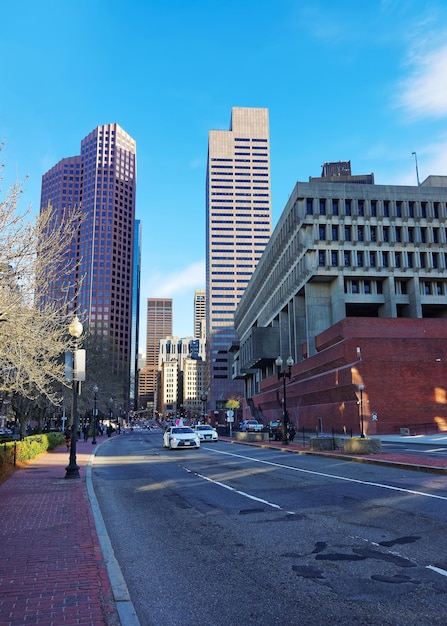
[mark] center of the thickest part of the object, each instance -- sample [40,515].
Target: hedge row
[29,448]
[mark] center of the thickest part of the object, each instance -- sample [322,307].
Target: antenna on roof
[417,171]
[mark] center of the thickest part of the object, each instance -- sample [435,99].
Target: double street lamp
[75,371]
[95,415]
[284,374]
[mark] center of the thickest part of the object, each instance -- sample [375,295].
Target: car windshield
[204,428]
[182,430]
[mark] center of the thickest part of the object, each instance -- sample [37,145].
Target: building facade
[350,266]
[238,227]
[158,326]
[200,314]
[101,183]
[186,356]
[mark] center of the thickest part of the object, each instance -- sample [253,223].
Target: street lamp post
[77,374]
[204,397]
[362,430]
[95,414]
[284,374]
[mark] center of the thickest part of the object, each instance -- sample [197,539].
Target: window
[334,207]
[347,207]
[323,207]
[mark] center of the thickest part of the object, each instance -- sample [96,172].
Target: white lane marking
[349,480]
[241,493]
[438,570]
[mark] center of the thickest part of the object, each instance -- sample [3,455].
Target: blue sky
[343,80]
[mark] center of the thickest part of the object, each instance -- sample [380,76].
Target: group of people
[86,432]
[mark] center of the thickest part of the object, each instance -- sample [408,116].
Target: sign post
[230,420]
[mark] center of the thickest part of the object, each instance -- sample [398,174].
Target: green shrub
[30,447]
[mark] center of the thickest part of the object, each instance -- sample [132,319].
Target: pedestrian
[68,437]
[85,432]
[292,433]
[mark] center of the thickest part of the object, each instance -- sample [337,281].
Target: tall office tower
[135,317]
[158,326]
[238,227]
[101,183]
[200,314]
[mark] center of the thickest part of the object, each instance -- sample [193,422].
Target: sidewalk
[52,570]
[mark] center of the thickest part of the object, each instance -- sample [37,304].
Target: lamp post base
[72,471]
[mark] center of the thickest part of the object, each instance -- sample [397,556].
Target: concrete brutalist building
[352,285]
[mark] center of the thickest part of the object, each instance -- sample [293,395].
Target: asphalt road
[411,448]
[234,534]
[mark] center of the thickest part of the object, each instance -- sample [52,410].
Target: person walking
[85,431]
[291,432]
[68,437]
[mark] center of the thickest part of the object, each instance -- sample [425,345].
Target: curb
[121,596]
[354,459]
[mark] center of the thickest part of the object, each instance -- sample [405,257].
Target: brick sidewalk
[52,572]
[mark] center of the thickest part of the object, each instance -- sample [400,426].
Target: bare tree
[33,325]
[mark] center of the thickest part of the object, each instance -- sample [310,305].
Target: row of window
[375,208]
[386,234]
[368,287]
[363,258]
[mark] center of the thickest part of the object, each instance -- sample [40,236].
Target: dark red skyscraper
[101,182]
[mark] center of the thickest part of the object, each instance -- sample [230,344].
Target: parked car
[180,437]
[275,430]
[251,425]
[206,432]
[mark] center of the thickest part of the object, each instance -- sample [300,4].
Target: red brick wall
[403,368]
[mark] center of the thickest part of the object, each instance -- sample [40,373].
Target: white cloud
[176,282]
[179,285]
[424,92]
